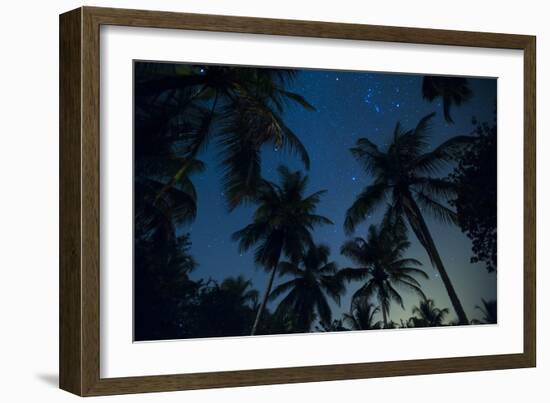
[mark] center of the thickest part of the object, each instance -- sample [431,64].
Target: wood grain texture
[530,202]
[90,202]
[80,196]
[70,271]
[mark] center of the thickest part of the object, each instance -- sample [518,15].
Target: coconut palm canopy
[255,190]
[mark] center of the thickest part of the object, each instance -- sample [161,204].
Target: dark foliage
[476,196]
[452,90]
[361,316]
[180,110]
[489,311]
[222,310]
[162,287]
[335,326]
[427,314]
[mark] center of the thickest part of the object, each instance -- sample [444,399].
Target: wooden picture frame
[79,201]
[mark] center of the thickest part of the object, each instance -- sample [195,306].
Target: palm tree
[452,90]
[157,215]
[241,290]
[307,292]
[402,174]
[428,315]
[361,316]
[188,106]
[382,266]
[282,225]
[489,311]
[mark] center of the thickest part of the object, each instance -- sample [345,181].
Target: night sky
[350,105]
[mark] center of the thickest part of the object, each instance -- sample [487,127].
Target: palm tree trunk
[429,245]
[264,300]
[385,318]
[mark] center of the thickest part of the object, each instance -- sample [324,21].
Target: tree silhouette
[475,178]
[282,225]
[335,326]
[305,295]
[452,90]
[361,316]
[241,290]
[156,217]
[427,314]
[489,311]
[162,287]
[187,108]
[222,310]
[381,266]
[403,174]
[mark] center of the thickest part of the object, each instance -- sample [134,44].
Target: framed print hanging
[249,201]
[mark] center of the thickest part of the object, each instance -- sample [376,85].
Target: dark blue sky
[349,105]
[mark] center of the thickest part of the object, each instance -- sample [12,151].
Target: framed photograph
[250,201]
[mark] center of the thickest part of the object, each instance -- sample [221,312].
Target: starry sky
[349,105]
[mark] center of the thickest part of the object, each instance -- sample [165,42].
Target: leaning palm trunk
[426,240]
[384,318]
[264,300]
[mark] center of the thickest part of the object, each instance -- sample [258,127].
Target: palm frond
[241,169]
[436,209]
[401,263]
[299,99]
[365,204]
[368,155]
[250,235]
[432,162]
[294,145]
[393,294]
[288,268]
[281,289]
[323,307]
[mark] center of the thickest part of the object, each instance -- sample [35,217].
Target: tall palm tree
[282,225]
[361,316]
[452,90]
[188,106]
[402,174]
[427,314]
[381,266]
[306,293]
[489,311]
